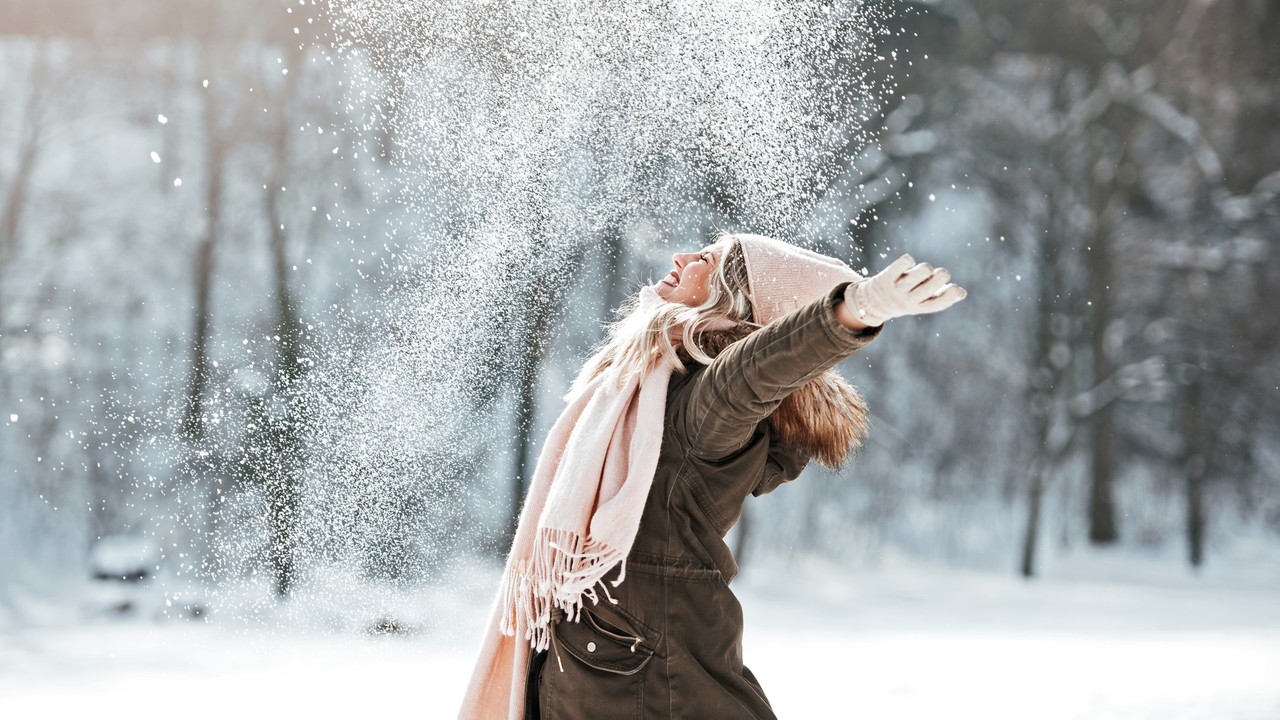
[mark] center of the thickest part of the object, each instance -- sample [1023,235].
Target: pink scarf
[578,523]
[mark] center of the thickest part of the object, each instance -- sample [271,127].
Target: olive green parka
[671,646]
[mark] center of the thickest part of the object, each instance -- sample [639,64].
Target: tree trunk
[282,504]
[16,199]
[193,420]
[615,290]
[540,304]
[1113,196]
[1041,397]
[537,321]
[197,384]
[1102,514]
[1052,425]
[526,385]
[1194,464]
[1031,530]
[284,486]
[215,501]
[29,130]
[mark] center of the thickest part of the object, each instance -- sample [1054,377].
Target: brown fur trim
[826,419]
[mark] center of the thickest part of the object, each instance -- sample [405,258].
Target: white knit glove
[904,288]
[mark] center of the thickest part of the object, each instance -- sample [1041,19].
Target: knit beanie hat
[782,277]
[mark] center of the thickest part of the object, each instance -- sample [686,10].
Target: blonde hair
[673,331]
[825,419]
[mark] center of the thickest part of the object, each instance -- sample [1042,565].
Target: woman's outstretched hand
[906,287]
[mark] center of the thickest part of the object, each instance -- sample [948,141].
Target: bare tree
[1097,119]
[29,144]
[218,134]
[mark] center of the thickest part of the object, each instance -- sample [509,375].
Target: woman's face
[689,281]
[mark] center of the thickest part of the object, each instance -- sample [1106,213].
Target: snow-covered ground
[1096,640]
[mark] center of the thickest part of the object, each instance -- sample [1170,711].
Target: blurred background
[290,293]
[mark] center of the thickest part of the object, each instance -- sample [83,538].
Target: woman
[717,383]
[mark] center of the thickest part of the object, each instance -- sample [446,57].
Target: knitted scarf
[577,524]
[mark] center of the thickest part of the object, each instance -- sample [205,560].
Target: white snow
[901,642]
[121,555]
[940,643]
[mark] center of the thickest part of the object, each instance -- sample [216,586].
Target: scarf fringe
[562,571]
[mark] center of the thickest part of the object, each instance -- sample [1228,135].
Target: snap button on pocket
[602,646]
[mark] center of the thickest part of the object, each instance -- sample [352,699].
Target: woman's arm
[751,377]
[742,386]
[845,314]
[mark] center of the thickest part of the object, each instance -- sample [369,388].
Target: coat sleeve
[749,379]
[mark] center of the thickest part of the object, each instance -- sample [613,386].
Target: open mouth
[673,279]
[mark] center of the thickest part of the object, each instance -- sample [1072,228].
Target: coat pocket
[605,645]
[596,669]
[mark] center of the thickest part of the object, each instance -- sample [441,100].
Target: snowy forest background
[273,350]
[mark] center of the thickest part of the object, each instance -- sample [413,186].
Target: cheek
[708,277]
[704,284]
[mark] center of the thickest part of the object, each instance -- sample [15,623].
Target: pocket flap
[602,645]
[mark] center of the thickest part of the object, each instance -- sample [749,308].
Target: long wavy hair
[674,331]
[826,419]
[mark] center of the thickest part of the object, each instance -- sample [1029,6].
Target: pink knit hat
[782,277]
